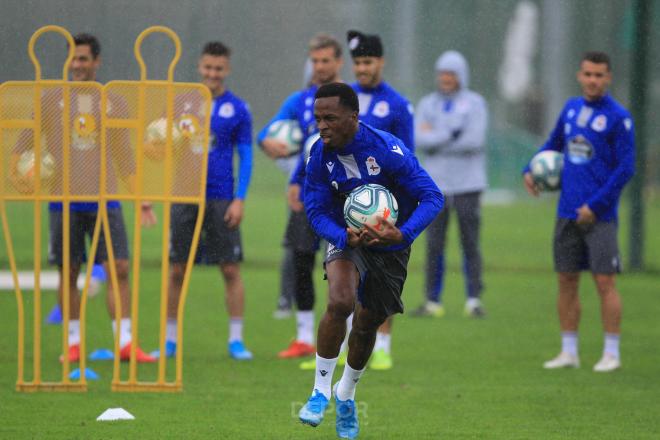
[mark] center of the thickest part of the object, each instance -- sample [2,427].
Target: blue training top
[231,124]
[373,156]
[385,109]
[598,143]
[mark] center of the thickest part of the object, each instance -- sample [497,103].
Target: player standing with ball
[366,269]
[595,134]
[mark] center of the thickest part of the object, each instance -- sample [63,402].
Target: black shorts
[81,225]
[299,234]
[586,247]
[219,243]
[382,275]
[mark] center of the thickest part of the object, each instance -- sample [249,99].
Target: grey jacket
[453,152]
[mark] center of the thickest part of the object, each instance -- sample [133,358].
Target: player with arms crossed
[366,269]
[595,134]
[231,126]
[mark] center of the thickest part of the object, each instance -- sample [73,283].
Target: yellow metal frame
[38,197]
[161,384]
[137,196]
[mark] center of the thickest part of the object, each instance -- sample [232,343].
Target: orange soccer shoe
[140,356]
[74,353]
[297,349]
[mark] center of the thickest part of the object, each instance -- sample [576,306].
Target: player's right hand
[274,148]
[354,237]
[293,198]
[530,186]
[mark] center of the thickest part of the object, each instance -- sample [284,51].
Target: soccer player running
[383,108]
[366,269]
[85,153]
[325,54]
[595,135]
[450,128]
[231,127]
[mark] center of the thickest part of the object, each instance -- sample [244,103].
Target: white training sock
[235,329]
[305,329]
[349,327]
[348,382]
[383,342]
[323,379]
[124,331]
[611,345]
[170,330]
[74,332]
[569,343]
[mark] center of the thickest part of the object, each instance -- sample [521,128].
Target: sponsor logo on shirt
[364,100]
[396,149]
[381,109]
[580,150]
[599,123]
[372,166]
[84,135]
[330,165]
[226,110]
[567,128]
[570,114]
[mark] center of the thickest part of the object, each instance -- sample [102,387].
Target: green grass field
[453,378]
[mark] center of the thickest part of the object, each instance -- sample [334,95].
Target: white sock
[383,342]
[611,345]
[349,327]
[323,379]
[170,330]
[124,331]
[305,329]
[235,329]
[569,343]
[348,382]
[74,332]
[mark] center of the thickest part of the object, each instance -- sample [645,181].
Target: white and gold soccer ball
[155,138]
[26,166]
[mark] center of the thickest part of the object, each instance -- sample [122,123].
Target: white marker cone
[115,414]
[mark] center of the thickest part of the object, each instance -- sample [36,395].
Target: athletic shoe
[564,360]
[311,364]
[140,356]
[74,353]
[346,424]
[380,360]
[430,308]
[312,412]
[238,351]
[170,350]
[607,363]
[297,349]
[474,308]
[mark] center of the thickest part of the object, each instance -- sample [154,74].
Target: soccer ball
[155,137]
[288,132]
[546,168]
[366,202]
[26,165]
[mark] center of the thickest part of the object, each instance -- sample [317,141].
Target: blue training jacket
[373,156]
[598,142]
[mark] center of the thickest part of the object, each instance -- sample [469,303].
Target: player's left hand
[585,215]
[382,234]
[148,215]
[234,214]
